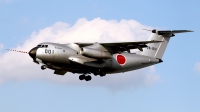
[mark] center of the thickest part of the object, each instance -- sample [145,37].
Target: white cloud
[1,47]
[197,67]
[19,67]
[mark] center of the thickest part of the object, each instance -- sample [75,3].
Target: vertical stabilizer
[157,50]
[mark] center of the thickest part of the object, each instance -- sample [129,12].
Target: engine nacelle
[92,53]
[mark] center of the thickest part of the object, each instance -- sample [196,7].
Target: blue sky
[177,89]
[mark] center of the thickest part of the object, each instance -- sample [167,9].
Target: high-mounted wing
[117,47]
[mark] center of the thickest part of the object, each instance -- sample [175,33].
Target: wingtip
[190,31]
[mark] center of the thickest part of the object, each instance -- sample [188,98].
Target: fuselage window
[63,50]
[46,46]
[39,45]
[42,45]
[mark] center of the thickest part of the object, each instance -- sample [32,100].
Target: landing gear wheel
[96,74]
[88,78]
[102,74]
[43,67]
[81,77]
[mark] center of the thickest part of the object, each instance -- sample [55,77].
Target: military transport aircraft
[102,58]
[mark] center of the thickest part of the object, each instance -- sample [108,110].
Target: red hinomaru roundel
[121,59]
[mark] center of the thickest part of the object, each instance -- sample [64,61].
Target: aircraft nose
[32,52]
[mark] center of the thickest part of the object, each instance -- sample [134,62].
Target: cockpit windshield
[42,46]
[39,45]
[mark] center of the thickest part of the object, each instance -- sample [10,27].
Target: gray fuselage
[56,57]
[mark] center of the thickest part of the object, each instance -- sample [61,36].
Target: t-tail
[157,50]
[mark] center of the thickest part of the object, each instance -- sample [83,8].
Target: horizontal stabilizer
[167,32]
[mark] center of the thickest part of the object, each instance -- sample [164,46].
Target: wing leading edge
[117,47]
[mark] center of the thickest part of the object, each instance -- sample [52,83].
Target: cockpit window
[44,46]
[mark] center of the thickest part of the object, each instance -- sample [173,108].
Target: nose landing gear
[43,67]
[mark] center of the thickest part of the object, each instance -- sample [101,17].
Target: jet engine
[92,53]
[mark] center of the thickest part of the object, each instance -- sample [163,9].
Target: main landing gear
[88,77]
[84,77]
[100,72]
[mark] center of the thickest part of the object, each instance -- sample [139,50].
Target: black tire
[43,67]
[82,77]
[88,78]
[102,74]
[96,74]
